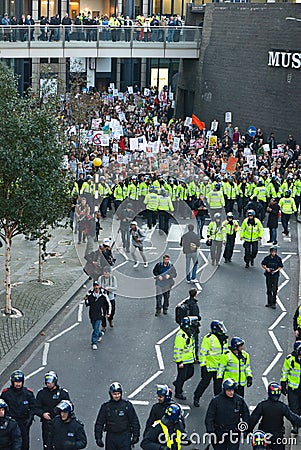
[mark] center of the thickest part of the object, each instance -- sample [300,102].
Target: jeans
[201,222]
[96,333]
[162,291]
[194,258]
[125,236]
[273,235]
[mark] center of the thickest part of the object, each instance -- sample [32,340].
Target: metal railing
[98,36]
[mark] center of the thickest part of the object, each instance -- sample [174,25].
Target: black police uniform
[120,421]
[222,417]
[156,413]
[272,278]
[21,404]
[153,437]
[10,434]
[270,414]
[194,310]
[46,401]
[66,435]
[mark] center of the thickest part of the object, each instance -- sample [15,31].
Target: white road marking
[120,265]
[80,312]
[45,353]
[142,386]
[270,367]
[159,357]
[167,336]
[140,402]
[34,373]
[275,341]
[63,332]
[283,314]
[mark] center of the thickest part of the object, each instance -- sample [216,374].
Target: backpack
[181,311]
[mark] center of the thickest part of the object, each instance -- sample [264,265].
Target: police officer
[66,430]
[213,345]
[272,265]
[223,415]
[164,394]
[21,404]
[119,419]
[259,440]
[235,362]
[151,202]
[231,227]
[184,356]
[251,232]
[287,208]
[47,400]
[10,434]
[270,413]
[297,323]
[167,432]
[165,206]
[291,380]
[215,199]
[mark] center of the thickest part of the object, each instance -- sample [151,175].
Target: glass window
[177,9]
[49,8]
[166,7]
[156,6]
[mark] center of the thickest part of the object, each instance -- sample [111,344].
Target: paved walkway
[39,302]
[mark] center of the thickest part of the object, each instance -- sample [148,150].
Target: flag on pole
[196,121]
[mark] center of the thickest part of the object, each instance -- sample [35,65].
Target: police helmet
[18,376]
[66,406]
[89,177]
[230,215]
[259,440]
[115,387]
[260,183]
[229,384]
[3,404]
[274,391]
[273,249]
[152,189]
[236,342]
[163,192]
[216,216]
[296,345]
[218,327]
[251,212]
[134,177]
[51,377]
[185,323]
[134,222]
[217,187]
[173,413]
[164,391]
[171,180]
[206,179]
[288,193]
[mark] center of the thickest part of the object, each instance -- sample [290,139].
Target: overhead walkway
[97,42]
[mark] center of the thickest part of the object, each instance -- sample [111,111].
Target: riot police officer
[164,394]
[118,417]
[21,403]
[66,431]
[224,413]
[271,413]
[47,400]
[10,434]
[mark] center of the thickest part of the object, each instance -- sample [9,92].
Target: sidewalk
[39,302]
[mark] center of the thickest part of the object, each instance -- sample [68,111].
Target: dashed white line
[142,386]
[275,341]
[283,314]
[140,402]
[167,336]
[159,357]
[45,353]
[80,312]
[63,332]
[34,373]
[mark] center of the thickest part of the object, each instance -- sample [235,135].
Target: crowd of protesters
[87,27]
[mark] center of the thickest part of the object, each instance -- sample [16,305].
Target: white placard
[115,92]
[251,161]
[214,125]
[134,144]
[171,96]
[146,92]
[130,90]
[176,144]
[247,151]
[112,86]
[228,117]
[188,121]
[266,147]
[105,141]
[120,96]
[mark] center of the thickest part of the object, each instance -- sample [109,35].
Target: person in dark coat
[66,431]
[164,394]
[273,212]
[190,243]
[10,434]
[224,413]
[194,310]
[164,273]
[99,310]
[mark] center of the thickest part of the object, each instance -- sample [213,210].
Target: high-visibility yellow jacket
[239,369]
[291,371]
[287,205]
[251,233]
[211,351]
[184,348]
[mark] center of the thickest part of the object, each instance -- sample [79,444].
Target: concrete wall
[233,72]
